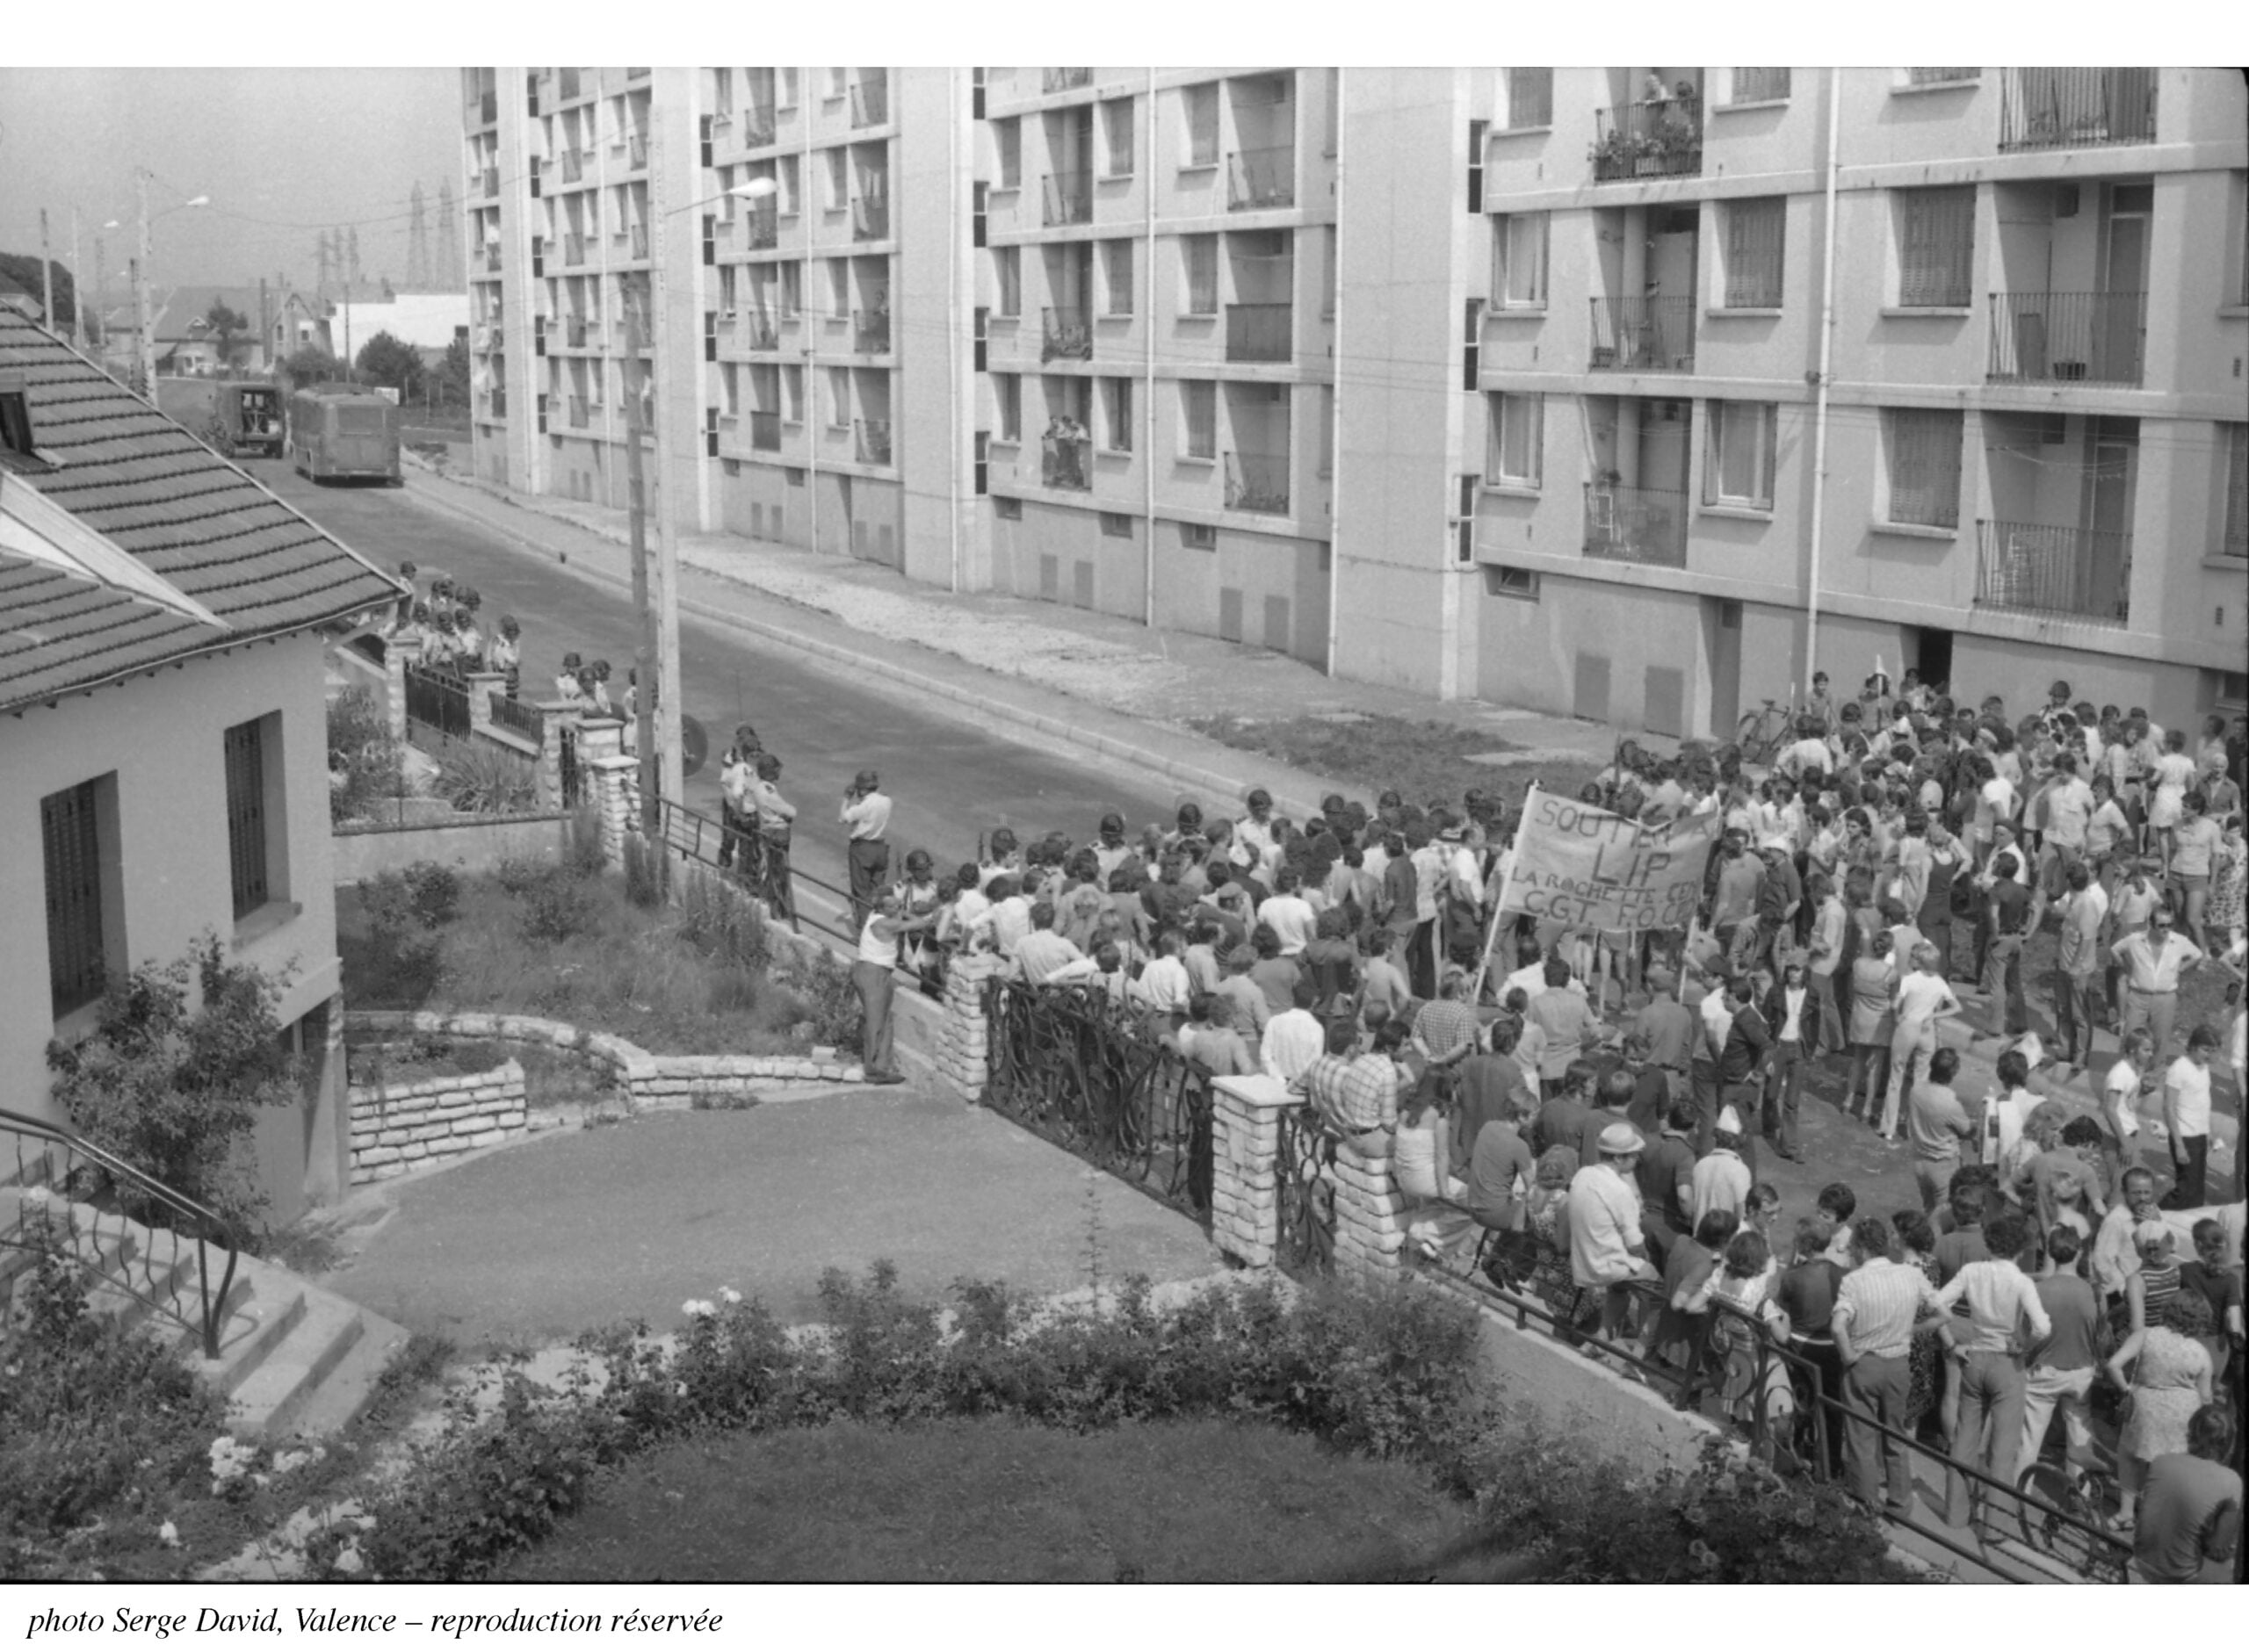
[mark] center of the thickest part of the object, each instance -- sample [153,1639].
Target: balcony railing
[1061,80]
[578,412]
[2068,337]
[759,330]
[636,151]
[871,331]
[1259,332]
[1066,461]
[762,227]
[874,441]
[765,432]
[1259,180]
[1068,337]
[1643,335]
[2069,108]
[1258,482]
[1635,524]
[1068,198]
[2074,572]
[573,250]
[757,129]
[1648,140]
[870,103]
[869,218]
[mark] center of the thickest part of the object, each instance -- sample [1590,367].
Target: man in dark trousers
[866,817]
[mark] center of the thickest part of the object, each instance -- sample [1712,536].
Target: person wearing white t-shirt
[2119,1095]
[2186,1115]
[1923,997]
[1288,913]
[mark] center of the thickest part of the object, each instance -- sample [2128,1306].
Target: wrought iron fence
[2068,337]
[762,228]
[1259,180]
[1635,524]
[2070,108]
[1304,1182]
[1645,334]
[1258,481]
[437,700]
[1068,1067]
[518,717]
[571,776]
[66,1198]
[874,446]
[2036,568]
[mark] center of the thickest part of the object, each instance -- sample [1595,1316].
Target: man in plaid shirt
[1358,1095]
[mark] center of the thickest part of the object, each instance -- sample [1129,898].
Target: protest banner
[1586,868]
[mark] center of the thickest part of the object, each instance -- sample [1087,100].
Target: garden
[373,778]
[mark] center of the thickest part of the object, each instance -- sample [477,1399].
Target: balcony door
[2107,559]
[2123,329]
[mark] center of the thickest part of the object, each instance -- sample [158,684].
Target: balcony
[873,441]
[1066,461]
[1061,80]
[762,227]
[491,258]
[1648,140]
[1261,180]
[486,108]
[491,181]
[636,152]
[871,331]
[1643,336]
[1259,332]
[759,331]
[573,250]
[2077,108]
[765,432]
[574,332]
[2095,338]
[1068,198]
[2067,572]
[578,412]
[869,218]
[757,129]
[574,165]
[870,103]
[1647,525]
[1068,337]
[1258,482]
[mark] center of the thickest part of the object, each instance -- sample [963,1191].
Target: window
[1760,85]
[1739,465]
[1200,106]
[1117,129]
[253,812]
[1198,256]
[1008,510]
[1940,77]
[1519,253]
[1007,397]
[1198,535]
[839,398]
[787,99]
[839,178]
[792,288]
[2235,543]
[77,944]
[1530,98]
[16,421]
[1116,525]
[791,185]
[1518,582]
[1007,274]
[1936,244]
[1476,165]
[1199,417]
[1756,233]
[833,91]
[793,393]
[1922,449]
[1117,275]
[839,287]
[1006,138]
[1116,415]
[1518,440]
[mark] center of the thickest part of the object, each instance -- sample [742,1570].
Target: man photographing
[866,813]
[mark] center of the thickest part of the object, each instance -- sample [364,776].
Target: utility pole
[77,291]
[148,342]
[667,695]
[47,273]
[645,653]
[265,325]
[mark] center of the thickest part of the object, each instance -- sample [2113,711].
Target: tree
[310,365]
[225,323]
[452,375]
[383,360]
[23,268]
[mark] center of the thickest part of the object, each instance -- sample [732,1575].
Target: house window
[16,422]
[793,393]
[1007,397]
[1921,446]
[1116,525]
[1006,509]
[1198,535]
[1200,104]
[839,179]
[1530,98]
[839,287]
[1007,273]
[2235,543]
[1517,443]
[1199,417]
[1760,85]
[1198,256]
[1516,582]
[1936,245]
[1519,250]
[1755,233]
[839,398]
[1739,463]
[1116,415]
[1007,137]
[77,944]
[1117,275]
[1117,128]
[253,812]
[792,288]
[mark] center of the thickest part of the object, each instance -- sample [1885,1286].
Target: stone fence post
[610,785]
[1245,1166]
[398,653]
[482,685]
[963,1037]
[1369,1212]
[554,717]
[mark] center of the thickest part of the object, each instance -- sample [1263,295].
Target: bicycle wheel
[2052,1484]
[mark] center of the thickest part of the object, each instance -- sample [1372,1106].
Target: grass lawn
[997,1500]
[1422,761]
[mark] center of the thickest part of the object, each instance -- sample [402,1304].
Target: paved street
[950,779]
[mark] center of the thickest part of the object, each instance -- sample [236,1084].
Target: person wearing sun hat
[1607,1249]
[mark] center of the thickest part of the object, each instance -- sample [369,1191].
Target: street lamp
[662,771]
[147,352]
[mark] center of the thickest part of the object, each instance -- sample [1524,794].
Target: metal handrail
[210,1227]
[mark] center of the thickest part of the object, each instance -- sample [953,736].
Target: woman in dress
[2170,775]
[1874,988]
[2229,877]
[2170,1383]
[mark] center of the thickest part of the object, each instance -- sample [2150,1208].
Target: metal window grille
[1199,401]
[1756,235]
[1202,125]
[1760,85]
[245,754]
[69,834]
[1924,455]
[1530,98]
[1937,241]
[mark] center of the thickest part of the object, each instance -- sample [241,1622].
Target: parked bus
[339,432]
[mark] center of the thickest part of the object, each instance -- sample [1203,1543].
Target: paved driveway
[583,1228]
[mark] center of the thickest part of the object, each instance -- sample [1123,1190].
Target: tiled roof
[129,473]
[184,306]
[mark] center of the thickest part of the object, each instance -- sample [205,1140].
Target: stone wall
[469,842]
[1244,1157]
[1369,1212]
[964,1033]
[398,1127]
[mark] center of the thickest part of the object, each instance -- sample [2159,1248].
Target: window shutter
[245,760]
[75,966]
[1936,249]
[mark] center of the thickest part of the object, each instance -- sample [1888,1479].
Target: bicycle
[1762,735]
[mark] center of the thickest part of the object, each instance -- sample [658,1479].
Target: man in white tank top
[874,977]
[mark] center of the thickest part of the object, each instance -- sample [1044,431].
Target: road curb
[1088,740]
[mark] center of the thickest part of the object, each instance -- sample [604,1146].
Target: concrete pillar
[1369,1214]
[398,653]
[1245,1160]
[964,1036]
[554,716]
[482,685]
[611,781]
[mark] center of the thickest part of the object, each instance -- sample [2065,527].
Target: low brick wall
[1245,1153]
[403,1127]
[468,842]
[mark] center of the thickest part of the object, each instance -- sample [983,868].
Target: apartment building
[1502,382]
[2034,407]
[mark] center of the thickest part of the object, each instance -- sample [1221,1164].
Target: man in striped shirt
[1875,1313]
